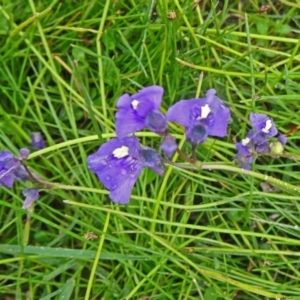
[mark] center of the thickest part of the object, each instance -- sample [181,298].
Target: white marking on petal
[205,110]
[245,141]
[121,152]
[267,127]
[135,104]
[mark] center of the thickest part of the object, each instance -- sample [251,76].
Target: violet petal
[181,112]
[168,145]
[117,165]
[37,140]
[264,124]
[197,134]
[282,139]
[31,195]
[156,121]
[24,153]
[152,159]
[127,123]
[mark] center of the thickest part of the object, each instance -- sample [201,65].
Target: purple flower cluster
[119,162]
[257,139]
[12,168]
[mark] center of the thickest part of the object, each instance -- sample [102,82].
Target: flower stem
[194,157]
[230,168]
[45,184]
[184,156]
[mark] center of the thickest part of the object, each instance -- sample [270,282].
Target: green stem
[204,166]
[224,167]
[190,166]
[184,157]
[97,258]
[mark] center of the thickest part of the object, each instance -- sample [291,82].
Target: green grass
[207,234]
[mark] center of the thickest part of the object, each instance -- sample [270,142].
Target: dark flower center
[156,121]
[152,159]
[197,134]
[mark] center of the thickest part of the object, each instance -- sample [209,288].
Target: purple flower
[260,143]
[201,117]
[8,166]
[264,125]
[11,168]
[139,111]
[31,195]
[37,140]
[257,140]
[246,148]
[263,128]
[168,145]
[244,155]
[119,162]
